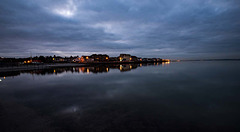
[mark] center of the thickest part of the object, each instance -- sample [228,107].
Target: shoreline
[56,65]
[37,67]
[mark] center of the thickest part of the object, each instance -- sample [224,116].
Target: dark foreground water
[180,96]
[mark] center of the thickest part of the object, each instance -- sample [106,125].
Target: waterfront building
[134,58]
[76,59]
[113,58]
[100,57]
[85,59]
[124,57]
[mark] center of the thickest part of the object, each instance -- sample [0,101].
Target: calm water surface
[180,96]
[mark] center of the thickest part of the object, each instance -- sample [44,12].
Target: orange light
[87,57]
[106,58]
[121,68]
[4,77]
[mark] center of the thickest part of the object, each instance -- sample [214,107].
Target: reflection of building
[96,69]
[127,67]
[92,69]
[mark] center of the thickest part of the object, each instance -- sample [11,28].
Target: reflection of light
[107,69]
[165,63]
[140,65]
[130,66]
[4,77]
[0,80]
[121,68]
[54,70]
[88,70]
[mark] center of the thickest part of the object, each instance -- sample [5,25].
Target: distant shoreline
[213,60]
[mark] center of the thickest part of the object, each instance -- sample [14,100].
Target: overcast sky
[175,29]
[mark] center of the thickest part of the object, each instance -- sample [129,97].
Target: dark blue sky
[175,29]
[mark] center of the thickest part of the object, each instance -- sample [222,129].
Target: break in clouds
[175,29]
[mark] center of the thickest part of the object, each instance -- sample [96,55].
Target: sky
[173,29]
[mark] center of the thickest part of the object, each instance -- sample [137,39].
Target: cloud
[147,28]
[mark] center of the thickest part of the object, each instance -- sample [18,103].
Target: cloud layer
[148,28]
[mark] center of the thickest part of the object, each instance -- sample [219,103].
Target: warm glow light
[130,66]
[54,70]
[106,58]
[140,65]
[53,59]
[87,57]
[88,70]
[130,58]
[4,77]
[107,69]
[121,68]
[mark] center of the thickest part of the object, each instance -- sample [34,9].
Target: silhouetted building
[76,59]
[100,57]
[113,58]
[124,57]
[134,58]
[85,59]
[58,59]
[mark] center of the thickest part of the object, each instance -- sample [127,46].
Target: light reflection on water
[184,96]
